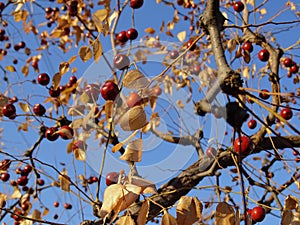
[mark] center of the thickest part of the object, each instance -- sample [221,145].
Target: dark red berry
[39,110]
[9,110]
[122,37]
[136,4]
[287,62]
[43,79]
[247,46]
[252,124]
[51,134]
[264,94]
[109,90]
[238,6]
[263,55]
[54,92]
[4,177]
[56,204]
[22,181]
[73,80]
[286,113]
[131,34]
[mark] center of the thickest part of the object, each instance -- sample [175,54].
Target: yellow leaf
[25,70]
[97,49]
[246,72]
[10,68]
[101,14]
[64,181]
[181,36]
[72,59]
[225,214]
[64,68]
[133,151]
[24,107]
[56,80]
[79,154]
[20,15]
[85,53]
[168,219]
[16,193]
[143,213]
[150,30]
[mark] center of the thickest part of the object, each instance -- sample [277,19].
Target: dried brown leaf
[168,219]
[188,210]
[291,202]
[118,197]
[85,53]
[109,107]
[79,154]
[148,187]
[134,119]
[97,50]
[133,151]
[64,181]
[143,213]
[56,80]
[64,67]
[149,30]
[225,214]
[231,45]
[134,79]
[25,70]
[125,220]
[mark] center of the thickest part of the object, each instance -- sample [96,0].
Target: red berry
[258,213]
[294,68]
[40,182]
[4,177]
[173,54]
[211,152]
[238,6]
[252,124]
[190,45]
[121,61]
[5,164]
[43,79]
[67,206]
[263,55]
[122,36]
[2,6]
[94,179]
[264,94]
[22,44]
[27,169]
[135,4]
[180,2]
[25,206]
[16,216]
[112,178]
[39,109]
[50,134]
[9,110]
[22,181]
[156,90]
[54,92]
[66,132]
[287,62]
[247,46]
[132,34]
[73,80]
[241,145]
[286,113]
[133,99]
[56,204]
[109,90]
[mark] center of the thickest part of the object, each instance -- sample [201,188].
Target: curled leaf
[133,151]
[125,220]
[64,181]
[85,53]
[118,197]
[24,106]
[225,214]
[148,187]
[97,49]
[188,210]
[168,219]
[56,80]
[79,154]
[133,119]
[134,79]
[143,214]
